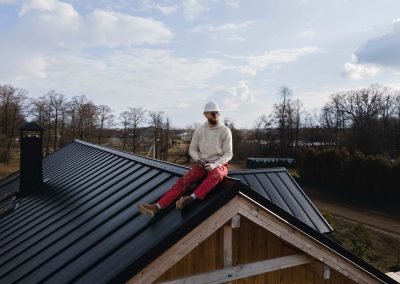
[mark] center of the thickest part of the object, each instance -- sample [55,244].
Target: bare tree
[105,117]
[136,119]
[282,110]
[11,114]
[165,139]
[37,109]
[156,120]
[57,102]
[297,111]
[124,118]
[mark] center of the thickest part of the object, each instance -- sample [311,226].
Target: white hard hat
[210,106]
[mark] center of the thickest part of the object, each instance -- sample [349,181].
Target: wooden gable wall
[250,243]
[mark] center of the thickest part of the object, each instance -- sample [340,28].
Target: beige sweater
[212,144]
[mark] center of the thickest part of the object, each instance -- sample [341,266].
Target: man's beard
[212,121]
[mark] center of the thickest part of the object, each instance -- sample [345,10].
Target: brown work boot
[148,209]
[183,202]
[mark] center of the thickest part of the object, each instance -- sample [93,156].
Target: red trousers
[193,175]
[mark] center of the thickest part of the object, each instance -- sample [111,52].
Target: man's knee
[218,173]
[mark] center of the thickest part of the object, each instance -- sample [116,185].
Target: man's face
[212,117]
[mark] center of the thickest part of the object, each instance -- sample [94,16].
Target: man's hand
[201,163]
[210,166]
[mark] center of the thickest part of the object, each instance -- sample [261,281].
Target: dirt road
[372,219]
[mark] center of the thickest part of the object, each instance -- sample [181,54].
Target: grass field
[382,250]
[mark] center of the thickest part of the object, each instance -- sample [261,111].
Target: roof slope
[279,187]
[84,221]
[86,212]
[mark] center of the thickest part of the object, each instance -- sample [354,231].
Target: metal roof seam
[49,208]
[312,205]
[62,237]
[151,162]
[46,195]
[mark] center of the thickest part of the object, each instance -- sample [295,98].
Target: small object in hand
[184,201]
[202,163]
[210,166]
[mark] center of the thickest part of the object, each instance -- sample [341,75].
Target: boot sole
[145,211]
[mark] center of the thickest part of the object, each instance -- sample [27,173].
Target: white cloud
[61,8]
[183,105]
[396,21]
[246,70]
[233,97]
[232,3]
[228,27]
[227,31]
[306,34]
[154,79]
[3,2]
[359,71]
[193,8]
[49,23]
[167,10]
[242,92]
[274,57]
[116,29]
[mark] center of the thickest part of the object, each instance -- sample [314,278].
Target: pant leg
[212,179]
[181,185]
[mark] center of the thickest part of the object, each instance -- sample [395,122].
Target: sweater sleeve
[226,149]
[194,146]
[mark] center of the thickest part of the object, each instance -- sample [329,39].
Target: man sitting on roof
[211,148]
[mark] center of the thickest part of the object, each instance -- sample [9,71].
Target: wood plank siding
[250,243]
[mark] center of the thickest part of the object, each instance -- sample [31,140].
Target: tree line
[77,118]
[366,119]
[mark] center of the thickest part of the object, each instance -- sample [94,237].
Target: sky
[175,56]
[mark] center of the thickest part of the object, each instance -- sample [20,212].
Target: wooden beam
[327,272]
[245,270]
[175,253]
[236,221]
[227,246]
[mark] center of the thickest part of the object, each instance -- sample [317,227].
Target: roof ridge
[167,166]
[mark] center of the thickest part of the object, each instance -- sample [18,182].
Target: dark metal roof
[9,187]
[279,187]
[84,220]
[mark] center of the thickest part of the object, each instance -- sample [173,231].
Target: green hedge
[355,172]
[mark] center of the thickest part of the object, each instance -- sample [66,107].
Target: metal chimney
[31,173]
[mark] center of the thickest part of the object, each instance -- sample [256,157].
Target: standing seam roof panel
[37,200]
[51,217]
[69,242]
[84,221]
[306,205]
[76,209]
[294,205]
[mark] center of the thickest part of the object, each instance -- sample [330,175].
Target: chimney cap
[31,126]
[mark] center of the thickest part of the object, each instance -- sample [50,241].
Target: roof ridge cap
[167,166]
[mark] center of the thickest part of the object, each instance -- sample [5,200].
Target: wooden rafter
[245,270]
